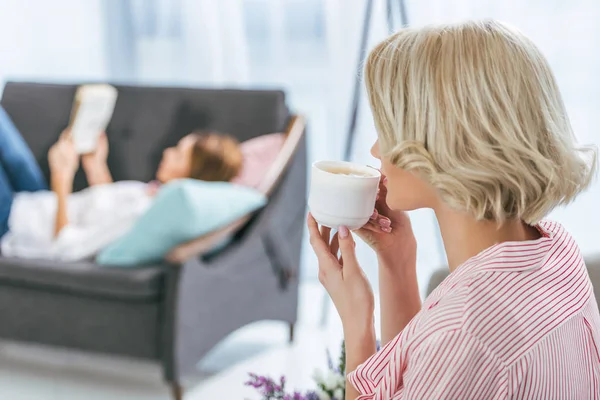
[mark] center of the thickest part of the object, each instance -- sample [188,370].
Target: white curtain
[192,42]
[59,40]
[215,51]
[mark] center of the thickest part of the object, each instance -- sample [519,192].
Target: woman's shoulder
[500,292]
[520,291]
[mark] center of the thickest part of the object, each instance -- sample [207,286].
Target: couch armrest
[592,263]
[202,244]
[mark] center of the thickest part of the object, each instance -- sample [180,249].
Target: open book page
[92,110]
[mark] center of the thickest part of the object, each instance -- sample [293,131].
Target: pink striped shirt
[517,321]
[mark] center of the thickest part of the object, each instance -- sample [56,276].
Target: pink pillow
[259,154]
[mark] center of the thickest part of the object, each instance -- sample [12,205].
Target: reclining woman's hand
[342,277]
[389,232]
[97,158]
[63,160]
[94,163]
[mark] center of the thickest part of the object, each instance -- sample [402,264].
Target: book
[92,110]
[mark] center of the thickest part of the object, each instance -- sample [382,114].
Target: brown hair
[215,157]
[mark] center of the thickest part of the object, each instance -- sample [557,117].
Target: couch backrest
[146,120]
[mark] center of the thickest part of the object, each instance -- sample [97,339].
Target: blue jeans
[19,171]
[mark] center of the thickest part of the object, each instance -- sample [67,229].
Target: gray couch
[175,312]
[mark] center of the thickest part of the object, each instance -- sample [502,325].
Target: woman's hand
[389,232]
[94,163]
[97,158]
[350,291]
[63,160]
[396,250]
[342,277]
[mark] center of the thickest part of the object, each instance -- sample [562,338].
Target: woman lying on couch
[211,157]
[34,221]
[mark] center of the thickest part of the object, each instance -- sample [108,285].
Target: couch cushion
[84,278]
[146,120]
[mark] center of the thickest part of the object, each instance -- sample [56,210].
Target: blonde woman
[470,124]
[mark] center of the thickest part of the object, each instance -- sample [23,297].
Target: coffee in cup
[342,193]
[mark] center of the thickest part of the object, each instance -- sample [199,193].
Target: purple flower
[311,396]
[267,386]
[330,361]
[295,396]
[254,381]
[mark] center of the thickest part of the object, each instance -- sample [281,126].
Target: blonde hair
[475,110]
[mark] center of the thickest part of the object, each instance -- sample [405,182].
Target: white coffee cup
[342,193]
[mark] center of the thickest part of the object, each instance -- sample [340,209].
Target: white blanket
[97,216]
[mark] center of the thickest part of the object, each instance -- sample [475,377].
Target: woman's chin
[404,205]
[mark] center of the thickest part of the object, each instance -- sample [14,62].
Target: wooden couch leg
[176,391]
[292,326]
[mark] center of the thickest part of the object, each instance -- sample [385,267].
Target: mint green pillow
[182,210]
